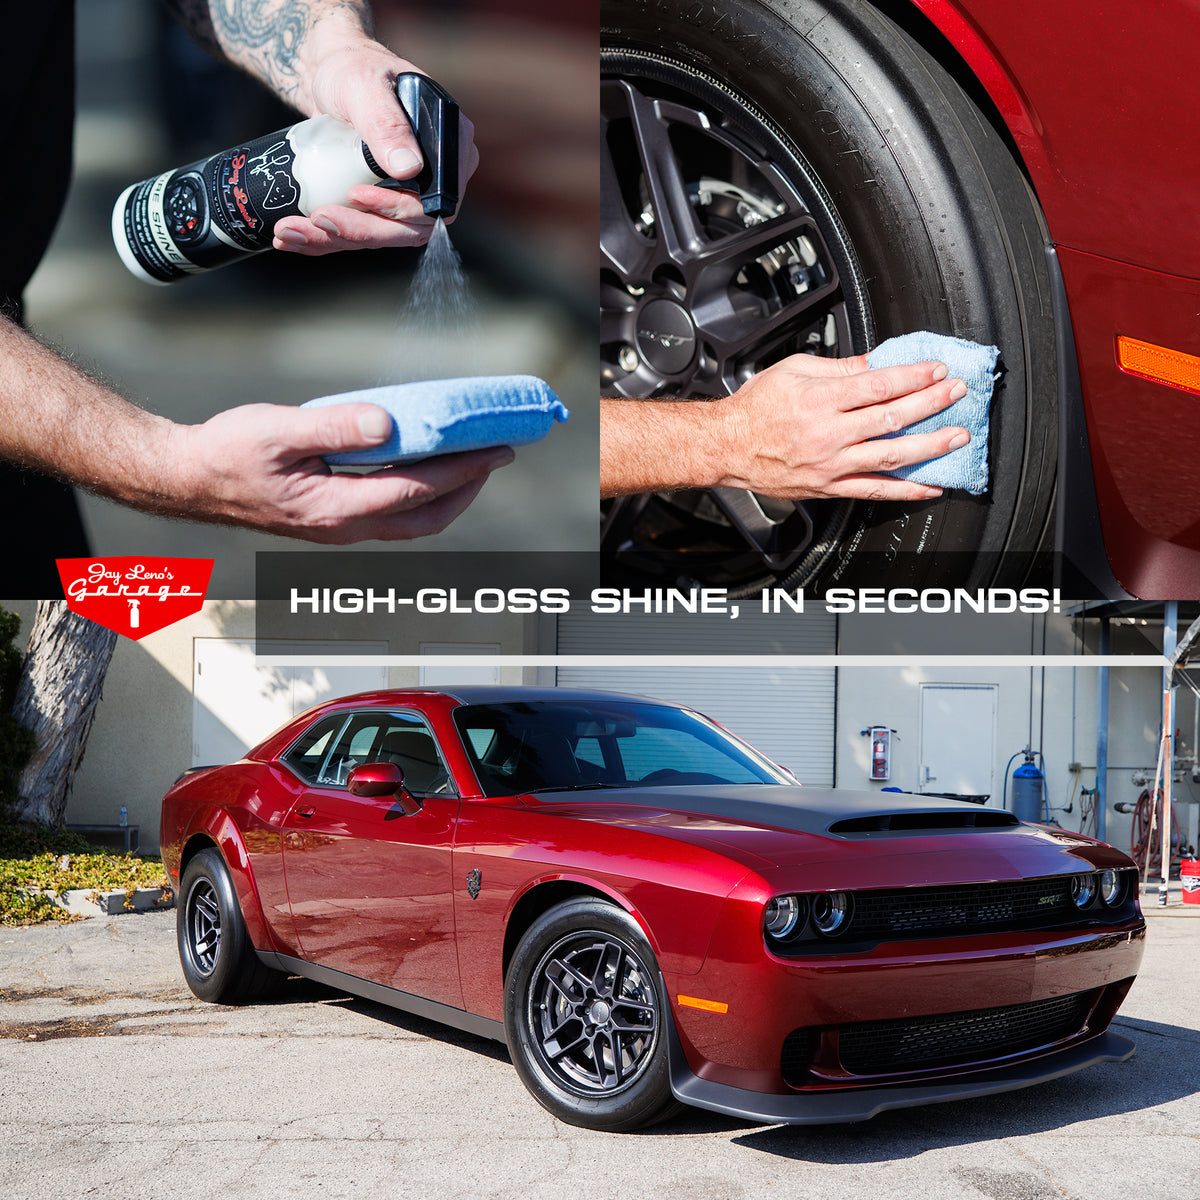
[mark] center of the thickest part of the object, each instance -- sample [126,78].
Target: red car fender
[680,940]
[591,884]
[993,75]
[214,824]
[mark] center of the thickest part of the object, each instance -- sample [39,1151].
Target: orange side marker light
[704,1005]
[1162,365]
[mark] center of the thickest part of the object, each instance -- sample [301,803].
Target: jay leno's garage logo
[134,596]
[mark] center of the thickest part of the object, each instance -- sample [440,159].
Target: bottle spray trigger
[433,114]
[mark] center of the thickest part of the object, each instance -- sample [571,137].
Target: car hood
[780,826]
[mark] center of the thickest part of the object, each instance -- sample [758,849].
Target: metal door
[958,739]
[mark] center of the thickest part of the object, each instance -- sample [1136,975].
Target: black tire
[597,1076]
[215,951]
[898,207]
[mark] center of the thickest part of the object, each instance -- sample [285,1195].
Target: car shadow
[1162,1070]
[298,990]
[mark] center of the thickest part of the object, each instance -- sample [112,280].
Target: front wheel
[586,1018]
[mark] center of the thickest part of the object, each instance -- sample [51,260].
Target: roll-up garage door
[786,712]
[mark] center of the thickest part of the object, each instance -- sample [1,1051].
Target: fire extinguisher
[881,752]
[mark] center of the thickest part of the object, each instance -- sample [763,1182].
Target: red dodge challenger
[648,911]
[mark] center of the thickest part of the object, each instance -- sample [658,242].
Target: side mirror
[383,779]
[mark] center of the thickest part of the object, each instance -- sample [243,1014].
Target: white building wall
[1054,709]
[142,736]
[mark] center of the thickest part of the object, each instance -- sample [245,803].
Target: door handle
[305,810]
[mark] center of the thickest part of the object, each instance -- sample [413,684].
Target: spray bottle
[224,208]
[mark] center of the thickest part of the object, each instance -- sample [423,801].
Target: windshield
[540,746]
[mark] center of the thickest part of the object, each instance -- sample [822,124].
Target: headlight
[1112,887]
[782,915]
[1083,889]
[831,912]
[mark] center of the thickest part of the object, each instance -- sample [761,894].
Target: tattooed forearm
[267,38]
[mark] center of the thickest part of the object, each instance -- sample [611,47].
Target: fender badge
[474,882]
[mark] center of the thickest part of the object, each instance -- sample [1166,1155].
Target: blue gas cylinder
[1028,789]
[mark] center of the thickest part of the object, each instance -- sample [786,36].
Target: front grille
[887,1047]
[946,910]
[906,914]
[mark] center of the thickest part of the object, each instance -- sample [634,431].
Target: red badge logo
[134,596]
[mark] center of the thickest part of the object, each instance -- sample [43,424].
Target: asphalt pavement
[116,1081]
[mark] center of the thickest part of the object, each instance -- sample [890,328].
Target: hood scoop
[938,821]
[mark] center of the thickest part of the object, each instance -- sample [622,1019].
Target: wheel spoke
[617,1075]
[777,539]
[623,1027]
[726,256]
[556,1050]
[637,1006]
[674,222]
[745,330]
[622,248]
[608,973]
[565,968]
[616,325]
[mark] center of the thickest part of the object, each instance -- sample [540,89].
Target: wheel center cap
[666,337]
[599,1013]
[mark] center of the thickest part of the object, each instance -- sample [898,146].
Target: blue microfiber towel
[442,416]
[975,365]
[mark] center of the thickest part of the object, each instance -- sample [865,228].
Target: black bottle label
[214,211]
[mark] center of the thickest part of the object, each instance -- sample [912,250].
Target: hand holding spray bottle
[224,208]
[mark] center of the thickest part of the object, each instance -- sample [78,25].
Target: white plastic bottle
[224,208]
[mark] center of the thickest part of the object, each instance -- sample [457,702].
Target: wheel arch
[212,828]
[543,895]
[965,54]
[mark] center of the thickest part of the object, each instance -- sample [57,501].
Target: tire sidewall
[932,228]
[646,1098]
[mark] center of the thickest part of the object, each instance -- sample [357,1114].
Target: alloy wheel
[204,926]
[720,255]
[593,1014]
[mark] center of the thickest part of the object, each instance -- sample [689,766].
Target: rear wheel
[787,176]
[215,951]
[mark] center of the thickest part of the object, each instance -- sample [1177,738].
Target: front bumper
[844,1105]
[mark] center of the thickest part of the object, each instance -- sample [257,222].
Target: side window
[352,748]
[307,757]
[325,754]
[407,741]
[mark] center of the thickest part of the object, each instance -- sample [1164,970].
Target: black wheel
[799,176]
[218,959]
[585,1016]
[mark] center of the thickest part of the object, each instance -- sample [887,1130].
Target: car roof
[501,694]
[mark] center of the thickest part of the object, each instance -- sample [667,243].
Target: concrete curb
[88,902]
